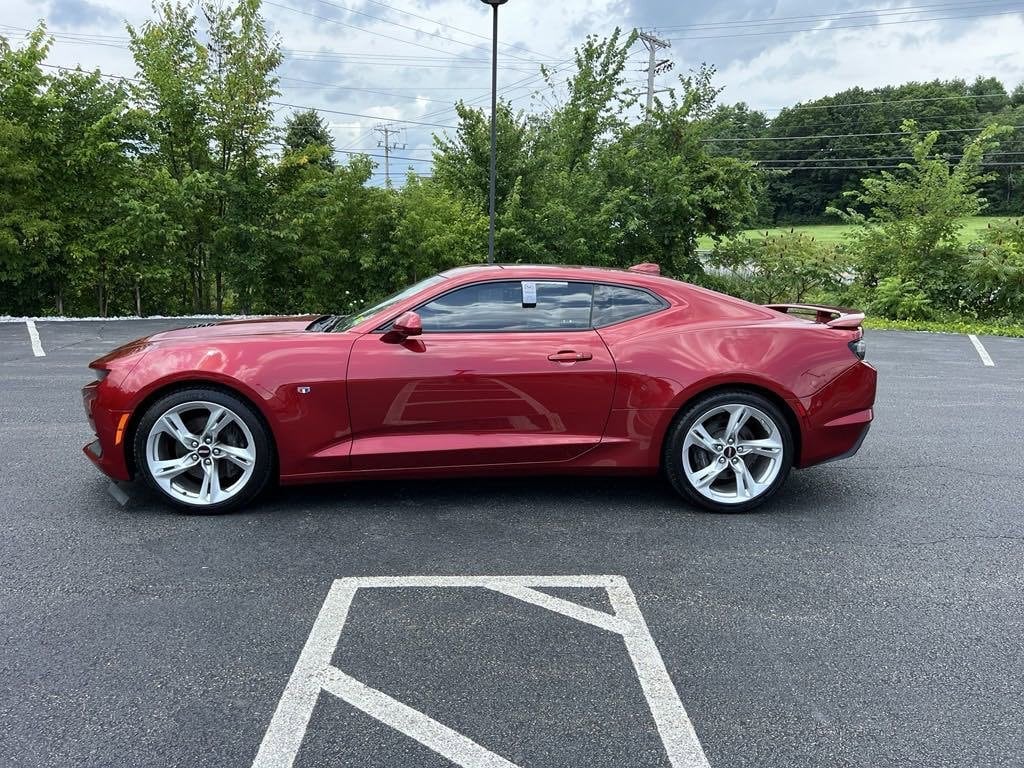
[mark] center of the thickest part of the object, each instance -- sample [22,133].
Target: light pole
[494,122]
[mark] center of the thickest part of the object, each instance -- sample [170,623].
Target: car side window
[512,305]
[616,303]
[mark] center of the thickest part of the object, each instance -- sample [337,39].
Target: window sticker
[529,293]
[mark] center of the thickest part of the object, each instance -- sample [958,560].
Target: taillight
[859,348]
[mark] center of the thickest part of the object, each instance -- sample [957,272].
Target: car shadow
[594,496]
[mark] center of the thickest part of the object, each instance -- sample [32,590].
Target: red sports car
[487,370]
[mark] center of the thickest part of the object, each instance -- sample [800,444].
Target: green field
[834,233]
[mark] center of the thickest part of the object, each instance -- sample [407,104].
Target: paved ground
[873,616]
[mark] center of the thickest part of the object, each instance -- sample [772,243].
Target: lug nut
[721,459]
[718,447]
[195,457]
[208,440]
[195,443]
[730,441]
[207,462]
[216,451]
[735,461]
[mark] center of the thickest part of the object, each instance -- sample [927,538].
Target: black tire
[673,461]
[262,467]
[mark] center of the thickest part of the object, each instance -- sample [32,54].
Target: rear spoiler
[833,317]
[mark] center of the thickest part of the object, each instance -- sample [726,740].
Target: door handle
[569,356]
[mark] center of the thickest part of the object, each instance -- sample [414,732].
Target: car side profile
[491,370]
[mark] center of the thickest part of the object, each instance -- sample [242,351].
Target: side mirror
[408,325]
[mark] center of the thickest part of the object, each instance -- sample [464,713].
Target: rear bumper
[838,417]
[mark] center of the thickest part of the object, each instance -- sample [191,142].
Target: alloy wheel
[733,453]
[200,453]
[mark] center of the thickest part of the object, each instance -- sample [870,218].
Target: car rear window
[617,303]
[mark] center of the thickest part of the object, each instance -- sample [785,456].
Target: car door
[505,372]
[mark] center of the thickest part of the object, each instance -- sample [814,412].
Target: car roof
[657,283]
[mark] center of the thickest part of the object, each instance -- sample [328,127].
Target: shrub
[995,270]
[900,299]
[788,267]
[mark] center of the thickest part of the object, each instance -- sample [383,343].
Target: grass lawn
[834,233]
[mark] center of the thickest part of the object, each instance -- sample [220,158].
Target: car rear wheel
[729,452]
[205,451]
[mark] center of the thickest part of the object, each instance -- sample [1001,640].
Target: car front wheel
[729,452]
[206,451]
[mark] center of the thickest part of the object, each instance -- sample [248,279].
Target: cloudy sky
[371,61]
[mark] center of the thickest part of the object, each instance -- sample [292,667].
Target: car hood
[218,330]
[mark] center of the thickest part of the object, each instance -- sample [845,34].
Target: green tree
[435,230]
[178,164]
[239,85]
[27,230]
[305,130]
[907,222]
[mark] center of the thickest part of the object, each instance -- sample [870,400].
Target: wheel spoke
[703,438]
[171,424]
[738,416]
[214,483]
[705,477]
[218,419]
[171,468]
[209,491]
[243,457]
[746,485]
[765,447]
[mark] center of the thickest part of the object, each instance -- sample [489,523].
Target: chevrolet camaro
[488,370]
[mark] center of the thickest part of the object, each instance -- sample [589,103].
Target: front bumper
[107,450]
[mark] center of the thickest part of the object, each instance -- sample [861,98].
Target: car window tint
[615,303]
[507,306]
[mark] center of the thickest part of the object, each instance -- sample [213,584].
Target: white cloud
[766,71]
[792,70]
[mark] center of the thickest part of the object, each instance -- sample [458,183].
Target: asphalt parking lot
[872,616]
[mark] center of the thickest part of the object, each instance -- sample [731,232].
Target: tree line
[812,153]
[174,191]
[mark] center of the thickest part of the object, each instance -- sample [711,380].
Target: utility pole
[387,130]
[653,43]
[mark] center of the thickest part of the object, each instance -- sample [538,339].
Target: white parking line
[33,336]
[314,673]
[982,352]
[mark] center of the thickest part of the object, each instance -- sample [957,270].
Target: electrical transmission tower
[387,131]
[653,44]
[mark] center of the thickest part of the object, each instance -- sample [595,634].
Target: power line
[873,103]
[843,27]
[360,114]
[352,26]
[851,135]
[274,103]
[875,167]
[295,54]
[418,30]
[330,86]
[946,7]
[876,158]
[450,26]
[368,31]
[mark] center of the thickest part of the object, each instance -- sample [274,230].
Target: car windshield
[350,321]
